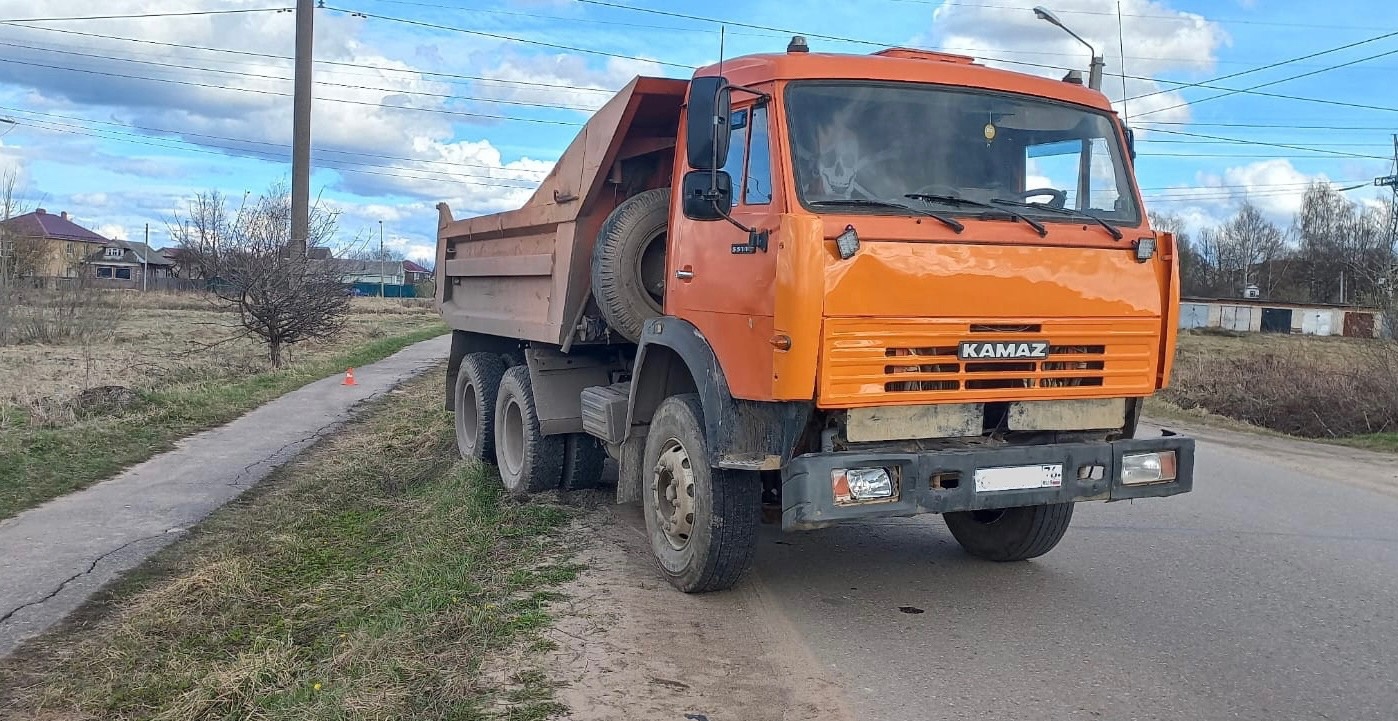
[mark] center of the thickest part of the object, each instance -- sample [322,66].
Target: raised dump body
[525,273]
[830,288]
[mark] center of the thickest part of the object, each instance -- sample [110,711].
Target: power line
[441,111]
[285,146]
[550,106]
[1234,142]
[142,16]
[1243,141]
[594,21]
[337,165]
[1379,128]
[496,36]
[382,68]
[1176,18]
[1277,82]
[1280,63]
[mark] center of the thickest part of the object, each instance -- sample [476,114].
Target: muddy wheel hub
[672,488]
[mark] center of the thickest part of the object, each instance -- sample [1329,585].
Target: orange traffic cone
[349,378]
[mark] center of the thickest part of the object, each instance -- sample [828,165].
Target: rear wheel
[529,461]
[583,458]
[477,383]
[702,521]
[1010,534]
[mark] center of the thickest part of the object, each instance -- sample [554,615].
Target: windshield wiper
[952,223]
[954,200]
[1116,232]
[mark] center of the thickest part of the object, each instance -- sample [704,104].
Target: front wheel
[702,521]
[1010,534]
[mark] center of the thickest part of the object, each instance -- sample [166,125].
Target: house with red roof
[59,246]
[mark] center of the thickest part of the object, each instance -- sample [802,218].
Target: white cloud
[1168,40]
[376,141]
[113,231]
[1274,186]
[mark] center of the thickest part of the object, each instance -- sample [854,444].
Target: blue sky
[119,121]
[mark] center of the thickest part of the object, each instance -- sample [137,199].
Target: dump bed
[525,273]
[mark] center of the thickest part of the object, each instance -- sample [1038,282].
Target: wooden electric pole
[301,130]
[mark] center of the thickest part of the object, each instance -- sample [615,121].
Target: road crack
[90,568]
[240,480]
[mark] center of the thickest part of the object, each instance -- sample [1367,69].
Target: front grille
[884,361]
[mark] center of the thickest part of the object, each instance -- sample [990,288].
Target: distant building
[414,273]
[1260,316]
[124,262]
[60,245]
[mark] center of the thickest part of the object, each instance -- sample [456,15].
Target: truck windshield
[895,141]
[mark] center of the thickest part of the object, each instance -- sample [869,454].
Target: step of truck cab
[604,411]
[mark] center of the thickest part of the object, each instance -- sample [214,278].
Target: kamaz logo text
[979,349]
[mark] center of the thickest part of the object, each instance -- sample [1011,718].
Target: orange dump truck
[829,287]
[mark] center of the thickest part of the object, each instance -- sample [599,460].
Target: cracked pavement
[53,557]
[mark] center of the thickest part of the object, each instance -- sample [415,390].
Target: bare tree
[1243,251]
[20,256]
[280,298]
[375,254]
[1196,275]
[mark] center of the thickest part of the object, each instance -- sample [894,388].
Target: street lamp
[1094,76]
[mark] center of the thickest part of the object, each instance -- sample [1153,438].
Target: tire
[529,461]
[628,262]
[711,546]
[1010,534]
[477,383]
[583,458]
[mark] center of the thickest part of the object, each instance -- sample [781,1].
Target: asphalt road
[1269,593]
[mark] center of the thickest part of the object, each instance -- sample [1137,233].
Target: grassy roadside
[376,578]
[37,463]
[1160,410]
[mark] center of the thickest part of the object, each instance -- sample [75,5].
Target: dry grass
[1330,388]
[158,340]
[187,370]
[372,580]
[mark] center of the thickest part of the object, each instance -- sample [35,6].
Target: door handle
[685,273]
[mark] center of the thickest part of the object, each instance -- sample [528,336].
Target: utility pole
[301,130]
[145,260]
[381,259]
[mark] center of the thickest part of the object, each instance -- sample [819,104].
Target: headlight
[1138,468]
[857,485]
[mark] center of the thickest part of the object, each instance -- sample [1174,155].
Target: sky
[119,121]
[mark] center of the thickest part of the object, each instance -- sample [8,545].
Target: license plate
[1019,478]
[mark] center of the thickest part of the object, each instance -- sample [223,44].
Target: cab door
[719,280]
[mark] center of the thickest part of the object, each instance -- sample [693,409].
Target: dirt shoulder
[631,647]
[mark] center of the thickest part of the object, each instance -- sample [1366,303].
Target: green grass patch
[38,463]
[377,578]
[1387,442]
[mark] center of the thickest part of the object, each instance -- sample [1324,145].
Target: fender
[673,357]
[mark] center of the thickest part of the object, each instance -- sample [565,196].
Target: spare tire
[628,262]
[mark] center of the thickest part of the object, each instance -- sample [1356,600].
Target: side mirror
[707,194]
[706,123]
[1131,142]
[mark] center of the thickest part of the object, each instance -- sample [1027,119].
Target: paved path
[56,555]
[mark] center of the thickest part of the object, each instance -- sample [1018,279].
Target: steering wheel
[1058,197]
